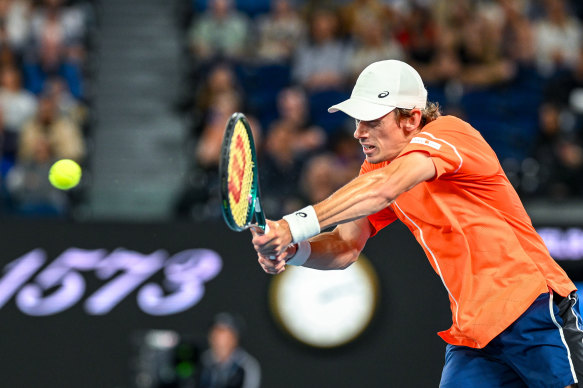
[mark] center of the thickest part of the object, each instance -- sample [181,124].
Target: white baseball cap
[381,87]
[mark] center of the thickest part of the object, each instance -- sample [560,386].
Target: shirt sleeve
[385,217]
[457,149]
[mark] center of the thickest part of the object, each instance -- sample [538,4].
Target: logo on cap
[383,94]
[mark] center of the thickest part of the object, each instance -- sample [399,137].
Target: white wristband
[303,251]
[303,224]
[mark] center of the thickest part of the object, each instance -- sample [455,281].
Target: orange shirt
[475,232]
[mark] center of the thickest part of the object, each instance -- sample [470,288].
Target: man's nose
[360,131]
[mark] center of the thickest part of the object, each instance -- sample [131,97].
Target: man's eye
[357,122]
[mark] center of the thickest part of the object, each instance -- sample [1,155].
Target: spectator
[56,47]
[417,34]
[200,195]
[565,90]
[220,32]
[293,108]
[279,32]
[280,169]
[477,59]
[373,42]
[356,13]
[18,106]
[67,104]
[560,155]
[226,364]
[29,190]
[558,38]
[321,62]
[208,147]
[51,129]
[320,177]
[14,30]
[348,154]
[480,52]
[220,79]
[518,31]
[431,40]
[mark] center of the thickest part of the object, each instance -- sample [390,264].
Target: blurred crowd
[44,99]
[512,68]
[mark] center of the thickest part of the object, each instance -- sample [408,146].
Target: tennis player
[514,310]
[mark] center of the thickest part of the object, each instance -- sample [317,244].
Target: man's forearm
[372,192]
[339,248]
[328,252]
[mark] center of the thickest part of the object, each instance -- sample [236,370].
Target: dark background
[73,349]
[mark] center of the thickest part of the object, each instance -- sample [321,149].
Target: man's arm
[337,249]
[365,195]
[374,191]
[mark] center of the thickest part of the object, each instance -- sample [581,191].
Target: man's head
[381,87]
[224,335]
[389,104]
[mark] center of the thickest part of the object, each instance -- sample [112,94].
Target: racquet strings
[240,174]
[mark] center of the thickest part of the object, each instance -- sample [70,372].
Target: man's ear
[412,122]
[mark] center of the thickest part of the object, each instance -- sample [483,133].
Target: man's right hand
[277,265]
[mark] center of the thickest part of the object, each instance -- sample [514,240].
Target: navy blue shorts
[542,348]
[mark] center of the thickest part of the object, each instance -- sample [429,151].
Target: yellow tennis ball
[65,174]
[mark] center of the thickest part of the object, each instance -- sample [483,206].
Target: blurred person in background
[220,79]
[18,106]
[518,31]
[321,61]
[279,32]
[221,32]
[480,53]
[46,138]
[326,171]
[558,37]
[14,24]
[29,190]
[431,45]
[372,41]
[468,48]
[61,134]
[320,178]
[67,104]
[200,196]
[226,364]
[56,47]
[293,108]
[417,33]
[281,165]
[348,155]
[559,152]
[565,90]
[355,13]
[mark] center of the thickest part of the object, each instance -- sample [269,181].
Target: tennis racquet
[240,201]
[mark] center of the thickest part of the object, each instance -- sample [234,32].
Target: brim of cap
[361,109]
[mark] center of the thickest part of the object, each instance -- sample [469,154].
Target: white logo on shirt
[427,142]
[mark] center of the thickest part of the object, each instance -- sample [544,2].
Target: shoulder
[449,128]
[368,167]
[448,123]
